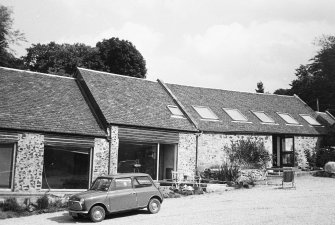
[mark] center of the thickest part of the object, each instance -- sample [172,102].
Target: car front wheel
[154,205]
[97,214]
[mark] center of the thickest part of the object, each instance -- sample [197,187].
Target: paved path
[311,203]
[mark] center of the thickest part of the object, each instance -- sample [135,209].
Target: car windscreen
[101,184]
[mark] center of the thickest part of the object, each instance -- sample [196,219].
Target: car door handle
[133,193]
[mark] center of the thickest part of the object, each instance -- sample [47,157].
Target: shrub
[324,155]
[311,158]
[228,172]
[249,153]
[11,204]
[43,202]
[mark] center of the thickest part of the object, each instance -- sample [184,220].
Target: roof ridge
[114,74]
[38,73]
[244,92]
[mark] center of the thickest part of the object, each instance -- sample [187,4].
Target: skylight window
[288,118]
[235,114]
[205,112]
[175,111]
[310,120]
[262,116]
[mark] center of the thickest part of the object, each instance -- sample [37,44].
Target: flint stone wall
[186,152]
[29,162]
[302,144]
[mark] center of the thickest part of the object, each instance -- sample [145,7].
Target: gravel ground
[311,203]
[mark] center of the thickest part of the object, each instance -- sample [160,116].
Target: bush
[43,202]
[324,155]
[228,172]
[11,204]
[249,153]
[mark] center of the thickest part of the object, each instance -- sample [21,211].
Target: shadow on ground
[66,218]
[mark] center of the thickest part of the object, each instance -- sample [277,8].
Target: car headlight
[81,202]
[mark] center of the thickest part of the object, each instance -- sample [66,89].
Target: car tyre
[154,205]
[97,214]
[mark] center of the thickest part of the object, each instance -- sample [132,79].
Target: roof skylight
[235,114]
[175,111]
[310,119]
[205,112]
[262,116]
[288,118]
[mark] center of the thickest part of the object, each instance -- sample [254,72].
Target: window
[6,164]
[175,111]
[122,183]
[66,168]
[235,114]
[310,120]
[205,112]
[262,116]
[288,118]
[142,182]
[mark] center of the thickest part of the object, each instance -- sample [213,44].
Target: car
[116,193]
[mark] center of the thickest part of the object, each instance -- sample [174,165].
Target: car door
[122,195]
[144,189]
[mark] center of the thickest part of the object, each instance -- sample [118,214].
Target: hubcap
[154,206]
[97,215]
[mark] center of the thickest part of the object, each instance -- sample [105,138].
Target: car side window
[122,183]
[142,182]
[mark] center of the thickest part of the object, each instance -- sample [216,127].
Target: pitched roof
[132,101]
[217,99]
[326,118]
[43,102]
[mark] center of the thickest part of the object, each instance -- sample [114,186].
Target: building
[61,133]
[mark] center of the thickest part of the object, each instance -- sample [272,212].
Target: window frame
[266,114]
[210,111]
[234,120]
[288,123]
[317,125]
[12,167]
[173,114]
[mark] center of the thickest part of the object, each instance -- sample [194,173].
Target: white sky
[215,43]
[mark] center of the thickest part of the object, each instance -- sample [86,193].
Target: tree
[260,87]
[121,57]
[316,81]
[61,59]
[8,36]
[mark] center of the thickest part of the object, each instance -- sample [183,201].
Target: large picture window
[6,165]
[66,168]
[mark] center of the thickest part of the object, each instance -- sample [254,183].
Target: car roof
[120,175]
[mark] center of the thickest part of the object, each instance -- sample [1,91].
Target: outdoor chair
[288,177]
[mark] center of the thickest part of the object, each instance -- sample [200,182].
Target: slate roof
[217,99]
[132,101]
[43,102]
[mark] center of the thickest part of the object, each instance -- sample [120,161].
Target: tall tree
[8,36]
[121,57]
[315,81]
[260,87]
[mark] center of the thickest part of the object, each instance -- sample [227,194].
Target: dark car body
[115,193]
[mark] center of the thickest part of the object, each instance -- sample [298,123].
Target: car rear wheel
[97,214]
[154,205]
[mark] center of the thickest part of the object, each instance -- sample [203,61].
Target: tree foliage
[260,87]
[316,80]
[112,55]
[8,36]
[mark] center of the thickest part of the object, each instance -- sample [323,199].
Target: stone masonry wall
[29,163]
[100,158]
[301,144]
[186,152]
[114,149]
[211,147]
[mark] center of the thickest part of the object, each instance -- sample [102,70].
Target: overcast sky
[221,44]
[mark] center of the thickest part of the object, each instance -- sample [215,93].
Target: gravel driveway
[312,202]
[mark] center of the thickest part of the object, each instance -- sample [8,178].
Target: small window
[142,182]
[122,183]
[6,164]
[175,111]
[205,112]
[262,116]
[235,114]
[288,118]
[310,120]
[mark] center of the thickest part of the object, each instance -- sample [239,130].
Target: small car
[116,193]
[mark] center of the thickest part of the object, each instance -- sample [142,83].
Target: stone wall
[29,163]
[100,158]
[114,149]
[186,152]
[302,143]
[211,147]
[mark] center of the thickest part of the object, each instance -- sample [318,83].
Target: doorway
[283,151]
[167,162]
